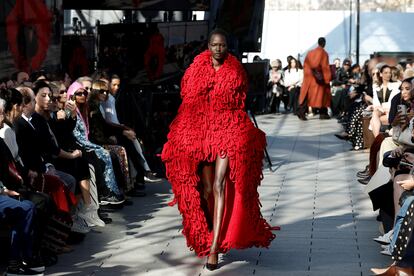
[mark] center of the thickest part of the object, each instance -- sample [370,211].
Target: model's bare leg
[218,189]
[376,122]
[207,178]
[86,195]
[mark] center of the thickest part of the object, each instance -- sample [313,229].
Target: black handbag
[318,76]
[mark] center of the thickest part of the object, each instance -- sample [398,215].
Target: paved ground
[327,220]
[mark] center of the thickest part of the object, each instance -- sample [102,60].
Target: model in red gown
[211,123]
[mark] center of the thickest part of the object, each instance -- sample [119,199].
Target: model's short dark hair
[39,85]
[322,41]
[217,32]
[12,97]
[115,77]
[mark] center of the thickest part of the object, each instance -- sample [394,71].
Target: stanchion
[265,150]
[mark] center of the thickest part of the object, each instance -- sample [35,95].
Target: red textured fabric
[37,18]
[211,121]
[56,189]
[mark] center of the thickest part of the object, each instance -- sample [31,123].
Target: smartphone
[405,164]
[402,109]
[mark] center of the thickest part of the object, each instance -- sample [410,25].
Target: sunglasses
[100,91]
[79,94]
[62,91]
[88,88]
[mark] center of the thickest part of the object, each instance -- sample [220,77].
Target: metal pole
[357,32]
[350,29]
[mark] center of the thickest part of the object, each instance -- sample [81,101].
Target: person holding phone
[81,132]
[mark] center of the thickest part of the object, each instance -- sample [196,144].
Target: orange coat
[318,95]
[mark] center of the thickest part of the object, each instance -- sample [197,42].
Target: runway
[311,192]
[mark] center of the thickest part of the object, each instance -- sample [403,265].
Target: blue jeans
[408,259]
[18,214]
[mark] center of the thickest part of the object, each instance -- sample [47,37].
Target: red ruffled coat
[211,121]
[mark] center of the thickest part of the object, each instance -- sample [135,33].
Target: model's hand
[61,115]
[10,192]
[397,152]
[32,175]
[130,134]
[352,94]
[367,98]
[409,157]
[71,105]
[76,154]
[369,108]
[406,184]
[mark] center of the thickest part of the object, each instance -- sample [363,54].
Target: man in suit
[315,91]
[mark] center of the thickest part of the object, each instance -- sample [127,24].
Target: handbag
[318,76]
[405,136]
[14,174]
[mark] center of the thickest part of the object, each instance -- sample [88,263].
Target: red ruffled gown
[211,121]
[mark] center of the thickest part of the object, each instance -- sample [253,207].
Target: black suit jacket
[28,141]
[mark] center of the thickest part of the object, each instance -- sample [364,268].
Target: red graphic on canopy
[28,28]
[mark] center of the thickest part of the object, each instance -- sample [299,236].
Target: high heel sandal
[210,266]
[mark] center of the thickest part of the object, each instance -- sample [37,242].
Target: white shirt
[293,77]
[9,137]
[393,86]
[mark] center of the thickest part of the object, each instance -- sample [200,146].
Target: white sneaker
[80,225]
[90,215]
[311,114]
[330,112]
[386,238]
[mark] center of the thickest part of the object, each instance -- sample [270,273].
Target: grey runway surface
[326,218]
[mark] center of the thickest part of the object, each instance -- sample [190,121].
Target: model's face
[22,77]
[386,74]
[63,94]
[293,63]
[43,98]
[16,111]
[115,83]
[103,95]
[1,117]
[87,85]
[53,105]
[406,91]
[80,96]
[218,47]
